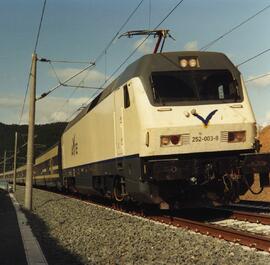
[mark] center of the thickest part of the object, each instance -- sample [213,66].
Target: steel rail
[246,216]
[251,217]
[249,207]
[228,234]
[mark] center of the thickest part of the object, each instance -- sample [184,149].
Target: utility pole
[15,162]
[31,131]
[4,170]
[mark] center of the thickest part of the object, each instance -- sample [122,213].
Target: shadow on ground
[53,251]
[11,245]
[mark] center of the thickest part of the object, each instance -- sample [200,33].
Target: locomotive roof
[168,61]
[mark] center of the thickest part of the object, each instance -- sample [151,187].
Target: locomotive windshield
[216,86]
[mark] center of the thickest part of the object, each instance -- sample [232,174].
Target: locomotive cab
[195,120]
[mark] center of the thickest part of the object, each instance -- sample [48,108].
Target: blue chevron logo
[207,119]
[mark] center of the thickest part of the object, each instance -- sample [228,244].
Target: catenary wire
[97,59]
[104,51]
[70,95]
[150,14]
[25,95]
[56,75]
[120,29]
[12,156]
[35,49]
[253,57]
[64,61]
[64,82]
[127,58]
[258,77]
[78,86]
[40,24]
[132,53]
[233,29]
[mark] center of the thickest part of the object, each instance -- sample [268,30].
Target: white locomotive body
[171,126]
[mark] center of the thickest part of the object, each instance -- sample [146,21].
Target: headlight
[236,137]
[189,62]
[170,140]
[164,140]
[183,63]
[192,62]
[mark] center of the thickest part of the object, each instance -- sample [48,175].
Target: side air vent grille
[224,137]
[185,139]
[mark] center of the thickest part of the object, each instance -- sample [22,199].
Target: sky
[79,30]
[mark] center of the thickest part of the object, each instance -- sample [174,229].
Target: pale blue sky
[80,30]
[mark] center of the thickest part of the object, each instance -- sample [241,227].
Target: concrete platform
[18,246]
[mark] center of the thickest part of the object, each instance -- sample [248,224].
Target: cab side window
[126,97]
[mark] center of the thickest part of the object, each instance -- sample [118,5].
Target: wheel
[117,190]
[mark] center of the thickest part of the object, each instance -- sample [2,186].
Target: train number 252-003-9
[210,138]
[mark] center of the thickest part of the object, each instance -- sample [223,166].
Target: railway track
[244,238]
[250,207]
[250,217]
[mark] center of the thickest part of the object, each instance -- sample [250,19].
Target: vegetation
[45,136]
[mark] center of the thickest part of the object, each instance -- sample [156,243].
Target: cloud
[264,121]
[146,47]
[191,46]
[10,109]
[260,82]
[92,77]
[10,102]
[267,116]
[49,109]
[59,116]
[231,56]
[56,109]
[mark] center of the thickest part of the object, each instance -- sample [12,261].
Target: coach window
[126,97]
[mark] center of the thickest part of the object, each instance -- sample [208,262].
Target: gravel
[73,232]
[255,228]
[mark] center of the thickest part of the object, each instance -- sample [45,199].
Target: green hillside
[45,136]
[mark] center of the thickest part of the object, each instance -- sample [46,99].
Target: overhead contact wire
[258,77]
[118,32]
[57,77]
[40,24]
[98,58]
[106,49]
[253,57]
[233,29]
[104,52]
[25,95]
[129,56]
[35,49]
[132,53]
[64,82]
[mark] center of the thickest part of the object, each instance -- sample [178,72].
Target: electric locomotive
[173,128]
